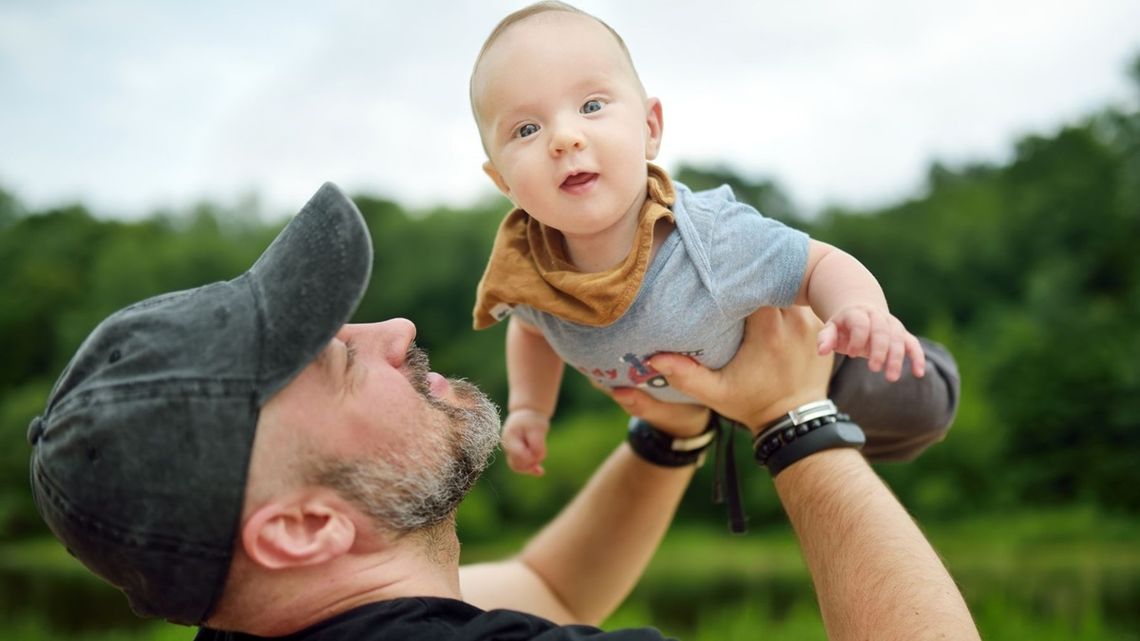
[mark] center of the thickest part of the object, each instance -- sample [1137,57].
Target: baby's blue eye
[527,130]
[591,106]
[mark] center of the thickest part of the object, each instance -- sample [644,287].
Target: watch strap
[807,429]
[661,448]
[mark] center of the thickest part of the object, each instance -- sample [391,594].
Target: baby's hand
[872,333]
[524,440]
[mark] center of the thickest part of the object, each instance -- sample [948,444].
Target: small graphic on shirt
[641,373]
[604,376]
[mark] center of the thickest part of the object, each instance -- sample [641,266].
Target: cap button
[35,430]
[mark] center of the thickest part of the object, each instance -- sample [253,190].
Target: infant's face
[566,124]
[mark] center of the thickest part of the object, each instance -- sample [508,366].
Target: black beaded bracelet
[807,429]
[660,448]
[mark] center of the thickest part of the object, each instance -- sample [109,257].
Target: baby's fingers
[519,459]
[521,455]
[917,356]
[880,349]
[827,340]
[535,440]
[858,335]
[894,361]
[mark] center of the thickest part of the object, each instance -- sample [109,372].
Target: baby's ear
[655,124]
[497,178]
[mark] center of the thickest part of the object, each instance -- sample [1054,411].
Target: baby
[605,261]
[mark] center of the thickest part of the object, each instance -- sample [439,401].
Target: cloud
[129,104]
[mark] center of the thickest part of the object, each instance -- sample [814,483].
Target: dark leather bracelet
[662,449]
[807,429]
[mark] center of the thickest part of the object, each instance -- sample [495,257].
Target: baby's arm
[844,293]
[534,372]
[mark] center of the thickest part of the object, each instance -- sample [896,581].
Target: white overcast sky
[132,105]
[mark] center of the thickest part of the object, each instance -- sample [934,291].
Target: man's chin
[480,422]
[465,394]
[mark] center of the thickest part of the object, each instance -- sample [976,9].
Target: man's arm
[582,565]
[876,575]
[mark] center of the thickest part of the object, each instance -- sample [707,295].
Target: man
[238,457]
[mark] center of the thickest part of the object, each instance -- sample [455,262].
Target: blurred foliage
[1026,269]
[1060,573]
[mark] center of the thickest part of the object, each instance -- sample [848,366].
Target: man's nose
[399,333]
[390,338]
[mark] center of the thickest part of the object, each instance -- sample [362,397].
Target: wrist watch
[662,449]
[807,429]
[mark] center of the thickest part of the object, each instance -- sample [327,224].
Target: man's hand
[524,440]
[680,420]
[776,369]
[866,331]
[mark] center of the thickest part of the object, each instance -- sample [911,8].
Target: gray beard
[405,492]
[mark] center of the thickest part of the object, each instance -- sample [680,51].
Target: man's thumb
[687,376]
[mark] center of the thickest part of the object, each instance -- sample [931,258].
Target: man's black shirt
[433,618]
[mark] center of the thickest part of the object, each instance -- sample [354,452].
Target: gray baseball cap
[139,461]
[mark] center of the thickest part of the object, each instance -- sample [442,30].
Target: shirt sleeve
[755,261]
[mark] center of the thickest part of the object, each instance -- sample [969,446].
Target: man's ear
[497,178]
[655,124]
[298,530]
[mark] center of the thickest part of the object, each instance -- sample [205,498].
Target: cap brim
[309,282]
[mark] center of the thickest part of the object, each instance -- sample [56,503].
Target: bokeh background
[982,158]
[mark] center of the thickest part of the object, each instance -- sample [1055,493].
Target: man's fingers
[688,377]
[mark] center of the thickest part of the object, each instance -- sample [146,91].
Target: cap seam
[259,308]
[141,391]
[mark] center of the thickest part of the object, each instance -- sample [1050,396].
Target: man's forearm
[876,575]
[597,548]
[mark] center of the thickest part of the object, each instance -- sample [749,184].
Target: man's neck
[279,603]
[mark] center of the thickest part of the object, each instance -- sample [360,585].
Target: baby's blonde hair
[546,6]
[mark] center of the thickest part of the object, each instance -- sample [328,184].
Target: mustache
[417,368]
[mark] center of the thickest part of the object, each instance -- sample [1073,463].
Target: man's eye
[591,106]
[527,130]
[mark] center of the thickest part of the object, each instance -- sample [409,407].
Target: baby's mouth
[579,180]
